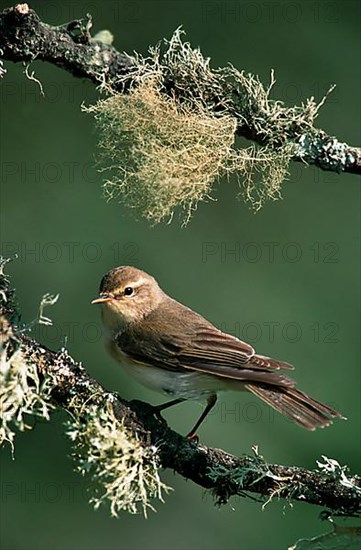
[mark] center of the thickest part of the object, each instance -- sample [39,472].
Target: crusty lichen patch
[255,468]
[124,473]
[164,151]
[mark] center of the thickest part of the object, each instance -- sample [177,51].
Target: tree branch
[24,38]
[224,474]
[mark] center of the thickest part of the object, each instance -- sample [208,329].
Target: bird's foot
[156,411]
[193,437]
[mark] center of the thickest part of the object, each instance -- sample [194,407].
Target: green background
[309,291]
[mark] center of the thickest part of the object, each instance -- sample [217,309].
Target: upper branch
[226,475]
[24,37]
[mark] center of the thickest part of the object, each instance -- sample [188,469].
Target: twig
[24,38]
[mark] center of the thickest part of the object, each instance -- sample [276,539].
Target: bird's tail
[298,406]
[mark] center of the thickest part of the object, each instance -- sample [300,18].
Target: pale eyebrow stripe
[139,282]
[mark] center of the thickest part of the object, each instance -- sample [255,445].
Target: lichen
[123,472]
[158,155]
[166,142]
[333,469]
[256,468]
[23,393]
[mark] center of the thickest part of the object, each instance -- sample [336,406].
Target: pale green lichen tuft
[158,155]
[124,473]
[23,393]
[163,152]
[260,172]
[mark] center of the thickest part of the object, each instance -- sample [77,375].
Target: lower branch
[71,388]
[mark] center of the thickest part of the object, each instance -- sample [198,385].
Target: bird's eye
[128,291]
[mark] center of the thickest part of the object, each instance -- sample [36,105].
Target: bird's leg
[211,401]
[159,408]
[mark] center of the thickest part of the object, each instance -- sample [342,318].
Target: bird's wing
[210,345]
[204,348]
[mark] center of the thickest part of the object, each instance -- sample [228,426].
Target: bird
[171,349]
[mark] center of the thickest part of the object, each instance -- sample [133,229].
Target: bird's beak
[102,299]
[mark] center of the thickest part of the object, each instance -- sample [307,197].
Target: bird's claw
[193,437]
[157,413]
